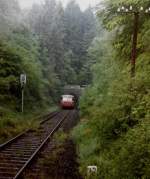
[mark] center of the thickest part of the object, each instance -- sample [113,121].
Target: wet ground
[59,158]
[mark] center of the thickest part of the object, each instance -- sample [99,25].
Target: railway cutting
[17,154]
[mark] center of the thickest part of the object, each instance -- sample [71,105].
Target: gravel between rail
[18,153]
[58,160]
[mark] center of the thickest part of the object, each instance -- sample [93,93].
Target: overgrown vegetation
[114,132]
[12,123]
[49,43]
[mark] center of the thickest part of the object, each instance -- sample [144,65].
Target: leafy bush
[115,107]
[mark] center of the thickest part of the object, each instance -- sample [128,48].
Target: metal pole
[22,100]
[134,45]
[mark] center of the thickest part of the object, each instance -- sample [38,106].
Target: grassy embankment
[13,123]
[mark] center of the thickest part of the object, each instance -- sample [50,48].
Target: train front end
[67,102]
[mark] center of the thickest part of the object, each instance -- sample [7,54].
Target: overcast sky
[83,3]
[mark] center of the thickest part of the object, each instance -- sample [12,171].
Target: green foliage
[13,123]
[114,134]
[66,34]
[80,29]
[20,55]
[10,63]
[37,42]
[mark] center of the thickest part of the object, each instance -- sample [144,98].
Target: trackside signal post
[23,80]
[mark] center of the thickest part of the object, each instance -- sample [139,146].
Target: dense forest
[49,43]
[114,132]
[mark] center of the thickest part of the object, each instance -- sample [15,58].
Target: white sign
[91,170]
[23,79]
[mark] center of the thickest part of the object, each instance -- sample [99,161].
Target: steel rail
[40,147]
[51,115]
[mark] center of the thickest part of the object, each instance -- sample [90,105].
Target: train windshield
[67,97]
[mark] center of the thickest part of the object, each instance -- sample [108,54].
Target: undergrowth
[13,123]
[114,133]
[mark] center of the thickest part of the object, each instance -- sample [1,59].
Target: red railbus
[67,102]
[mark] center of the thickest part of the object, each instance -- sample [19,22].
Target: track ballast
[18,153]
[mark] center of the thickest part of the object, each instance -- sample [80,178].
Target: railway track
[17,154]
